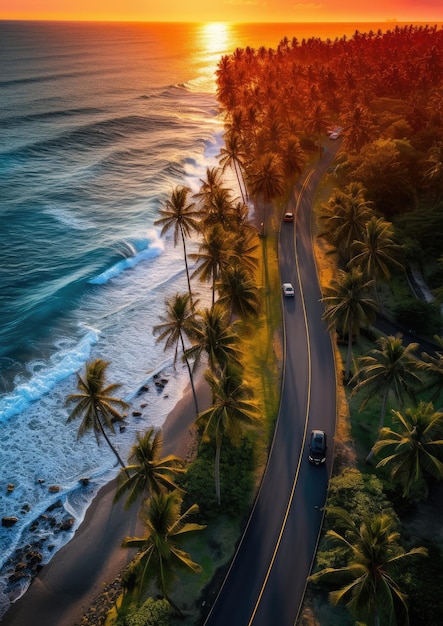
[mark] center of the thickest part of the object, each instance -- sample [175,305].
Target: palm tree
[178,324]
[232,408]
[292,155]
[149,472]
[376,251]
[212,256]
[218,208]
[183,218]
[96,404]
[243,249]
[359,128]
[232,155]
[216,338]
[390,367]
[345,217]
[317,121]
[238,292]
[348,306]
[414,446]
[370,591]
[210,184]
[265,179]
[159,555]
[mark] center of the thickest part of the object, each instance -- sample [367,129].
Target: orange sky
[226,10]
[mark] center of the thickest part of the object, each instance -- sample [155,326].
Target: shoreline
[66,587]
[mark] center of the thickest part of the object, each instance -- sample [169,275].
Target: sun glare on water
[215,39]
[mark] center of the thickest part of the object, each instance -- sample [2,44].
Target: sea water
[98,123]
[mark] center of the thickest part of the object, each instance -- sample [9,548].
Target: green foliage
[151,613]
[359,494]
[425,226]
[387,169]
[423,318]
[422,584]
[236,477]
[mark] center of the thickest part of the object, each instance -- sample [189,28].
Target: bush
[236,480]
[151,613]
[358,494]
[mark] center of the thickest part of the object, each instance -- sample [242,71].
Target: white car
[288,290]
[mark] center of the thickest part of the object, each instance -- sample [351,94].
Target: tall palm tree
[348,306]
[266,179]
[215,338]
[317,121]
[159,555]
[178,324]
[344,218]
[370,591]
[243,249]
[183,218]
[376,251]
[212,256]
[218,208]
[293,157]
[96,405]
[208,185]
[359,128]
[148,471]
[389,367]
[233,155]
[414,446]
[232,408]
[238,292]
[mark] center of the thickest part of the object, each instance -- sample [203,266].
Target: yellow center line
[294,483]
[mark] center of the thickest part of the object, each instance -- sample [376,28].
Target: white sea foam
[46,376]
[152,247]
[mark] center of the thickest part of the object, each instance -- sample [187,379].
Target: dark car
[317,447]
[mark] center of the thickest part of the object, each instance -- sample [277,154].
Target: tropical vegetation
[380,215]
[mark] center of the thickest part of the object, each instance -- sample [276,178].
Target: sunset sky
[226,10]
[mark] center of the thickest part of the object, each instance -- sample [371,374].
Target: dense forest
[383,92]
[381,96]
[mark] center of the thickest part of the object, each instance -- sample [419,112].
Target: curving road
[267,577]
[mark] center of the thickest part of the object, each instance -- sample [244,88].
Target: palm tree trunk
[239,180]
[108,441]
[381,422]
[348,356]
[172,603]
[217,471]
[191,378]
[187,268]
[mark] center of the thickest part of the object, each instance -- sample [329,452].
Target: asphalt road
[267,577]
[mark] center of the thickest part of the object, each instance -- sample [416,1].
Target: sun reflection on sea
[214,39]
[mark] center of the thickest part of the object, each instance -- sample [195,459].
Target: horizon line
[147,21]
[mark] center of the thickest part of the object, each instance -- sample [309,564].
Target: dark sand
[64,589]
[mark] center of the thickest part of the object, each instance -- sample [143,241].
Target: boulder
[9,521]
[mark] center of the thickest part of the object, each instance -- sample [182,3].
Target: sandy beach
[65,588]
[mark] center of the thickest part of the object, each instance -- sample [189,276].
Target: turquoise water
[98,122]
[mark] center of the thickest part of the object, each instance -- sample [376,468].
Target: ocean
[98,123]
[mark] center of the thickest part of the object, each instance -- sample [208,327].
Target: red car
[288,217]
